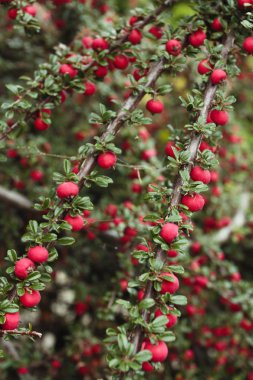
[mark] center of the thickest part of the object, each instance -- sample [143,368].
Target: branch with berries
[50,87]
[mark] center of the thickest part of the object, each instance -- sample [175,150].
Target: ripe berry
[76,222]
[169,232]
[107,160]
[199,174]
[30,9]
[216,25]
[134,19]
[156,31]
[172,318]
[147,367]
[12,13]
[90,88]
[87,42]
[40,125]
[120,61]
[154,106]
[135,37]
[23,371]
[169,286]
[23,267]
[197,38]
[67,69]
[248,45]
[31,298]
[194,202]
[158,350]
[36,175]
[101,71]
[148,153]
[204,67]
[99,44]
[173,47]
[168,149]
[67,189]
[38,254]
[218,76]
[172,253]
[11,321]
[219,117]
[242,3]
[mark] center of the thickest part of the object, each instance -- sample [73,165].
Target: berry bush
[125,155]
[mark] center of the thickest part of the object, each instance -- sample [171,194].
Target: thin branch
[177,189]
[20,332]
[15,198]
[114,126]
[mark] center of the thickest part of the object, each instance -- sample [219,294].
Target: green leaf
[122,342]
[67,166]
[143,356]
[66,241]
[178,300]
[176,269]
[33,276]
[12,255]
[147,303]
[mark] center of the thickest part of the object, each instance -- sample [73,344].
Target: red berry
[156,31]
[219,117]
[99,44]
[137,76]
[38,254]
[56,364]
[76,222]
[173,47]
[248,45]
[242,4]
[194,202]
[36,175]
[120,61]
[204,67]
[172,318]
[168,149]
[147,367]
[23,371]
[31,298]
[172,253]
[216,25]
[158,350]
[199,174]
[87,42]
[197,38]
[23,267]
[11,321]
[218,76]
[67,189]
[30,9]
[169,232]
[40,125]
[90,88]
[12,13]
[154,106]
[101,71]
[135,37]
[68,69]
[134,19]
[169,286]
[148,153]
[107,160]
[140,295]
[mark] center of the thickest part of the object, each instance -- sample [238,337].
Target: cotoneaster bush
[129,130]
